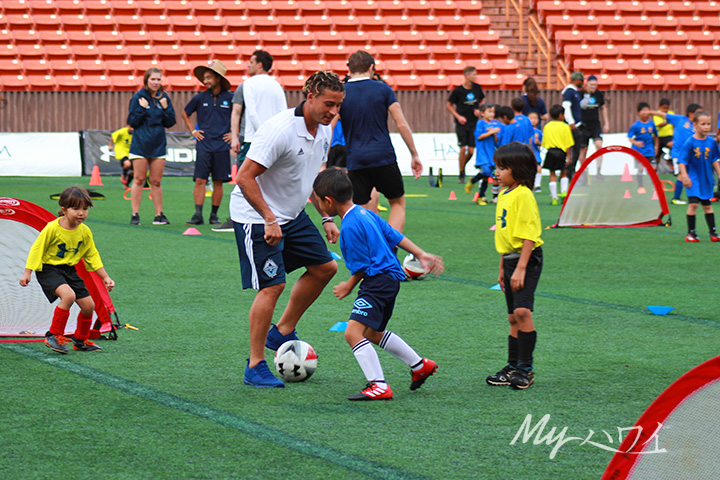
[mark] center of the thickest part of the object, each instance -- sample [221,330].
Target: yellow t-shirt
[122,139]
[58,246]
[516,219]
[557,134]
[667,130]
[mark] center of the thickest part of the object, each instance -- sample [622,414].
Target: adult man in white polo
[274,234]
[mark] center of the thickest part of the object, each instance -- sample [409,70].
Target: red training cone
[452,195]
[233,173]
[476,197]
[627,194]
[95,177]
[626,177]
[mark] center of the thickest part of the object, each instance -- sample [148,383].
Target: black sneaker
[501,378]
[161,219]
[225,227]
[84,345]
[56,343]
[521,378]
[214,220]
[195,220]
[135,219]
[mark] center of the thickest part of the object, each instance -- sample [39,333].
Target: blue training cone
[496,287]
[335,256]
[657,310]
[339,327]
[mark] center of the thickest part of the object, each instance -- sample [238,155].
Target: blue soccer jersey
[644,132]
[512,132]
[527,130]
[484,149]
[537,135]
[699,156]
[366,242]
[682,130]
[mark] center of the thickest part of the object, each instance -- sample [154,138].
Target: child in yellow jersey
[517,240]
[59,247]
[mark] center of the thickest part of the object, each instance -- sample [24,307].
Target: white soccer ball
[413,268]
[295,361]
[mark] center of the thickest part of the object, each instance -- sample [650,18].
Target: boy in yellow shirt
[59,247]
[558,141]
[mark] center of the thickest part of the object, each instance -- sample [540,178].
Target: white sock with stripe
[538,179]
[369,362]
[397,347]
[564,184]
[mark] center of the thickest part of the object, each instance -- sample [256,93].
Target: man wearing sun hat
[213,109]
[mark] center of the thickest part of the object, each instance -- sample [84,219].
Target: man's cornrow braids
[322,80]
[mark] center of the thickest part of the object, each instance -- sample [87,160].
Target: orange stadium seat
[605,51]
[691,23]
[425,23]
[706,37]
[602,7]
[651,82]
[363,7]
[663,23]
[371,24]
[52,37]
[13,83]
[461,38]
[287,67]
[664,67]
[29,51]
[587,66]
[711,22]
[595,37]
[476,21]
[558,22]
[621,37]
[683,51]
[389,52]
[394,67]
[406,82]
[631,51]
[199,8]
[488,82]
[87,67]
[648,37]
[611,22]
[710,52]
[656,52]
[614,66]
[504,66]
[551,7]
[13,7]
[100,22]
[354,39]
[704,82]
[637,23]
[677,82]
[654,9]
[317,22]
[675,36]
[69,82]
[123,22]
[681,9]
[45,21]
[162,37]
[112,51]
[589,23]
[271,38]
[567,37]
[576,8]
[397,23]
[62,67]
[18,21]
[119,67]
[57,52]
[629,7]
[408,37]
[574,52]
[384,37]
[230,7]
[703,7]
[185,23]
[425,67]
[624,82]
[512,81]
[453,23]
[468,7]
[342,23]
[452,67]
[637,66]
[27,37]
[442,52]
[41,82]
[35,67]
[442,7]
[98,82]
[435,82]
[694,67]
[182,82]
[292,82]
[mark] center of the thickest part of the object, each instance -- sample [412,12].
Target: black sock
[483,186]
[512,350]
[710,219]
[691,223]
[214,209]
[198,210]
[526,347]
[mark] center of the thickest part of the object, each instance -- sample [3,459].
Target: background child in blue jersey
[63,243]
[367,243]
[517,240]
[486,131]
[698,157]
[535,144]
[682,130]
[643,136]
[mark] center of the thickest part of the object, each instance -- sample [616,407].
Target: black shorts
[588,133]
[375,301]
[52,276]
[465,134]
[696,200]
[525,297]
[263,265]
[217,163]
[555,160]
[387,179]
[337,157]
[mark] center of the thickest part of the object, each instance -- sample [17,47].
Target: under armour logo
[62,250]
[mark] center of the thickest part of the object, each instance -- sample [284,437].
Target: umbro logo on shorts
[362,304]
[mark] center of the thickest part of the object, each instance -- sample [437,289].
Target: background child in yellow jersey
[59,247]
[558,140]
[120,144]
[517,240]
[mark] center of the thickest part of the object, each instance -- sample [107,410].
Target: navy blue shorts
[263,265]
[525,297]
[52,276]
[375,301]
[217,163]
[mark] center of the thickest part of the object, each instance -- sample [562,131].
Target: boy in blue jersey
[698,158]
[486,131]
[511,131]
[643,136]
[683,129]
[367,243]
[535,145]
[527,130]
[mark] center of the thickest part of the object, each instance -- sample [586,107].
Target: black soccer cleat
[502,377]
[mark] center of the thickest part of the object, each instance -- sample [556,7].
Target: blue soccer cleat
[275,338]
[260,376]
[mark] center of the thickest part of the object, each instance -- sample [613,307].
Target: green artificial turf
[167,400]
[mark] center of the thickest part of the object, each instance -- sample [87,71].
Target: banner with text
[40,154]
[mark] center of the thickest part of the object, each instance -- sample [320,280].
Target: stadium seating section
[419,44]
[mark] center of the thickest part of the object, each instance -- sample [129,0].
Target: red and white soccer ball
[413,268]
[295,361]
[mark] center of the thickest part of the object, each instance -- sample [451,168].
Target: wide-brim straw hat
[215,66]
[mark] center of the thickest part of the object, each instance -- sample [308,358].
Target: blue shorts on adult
[375,301]
[263,265]
[217,163]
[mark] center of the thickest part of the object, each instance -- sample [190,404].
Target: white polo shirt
[264,98]
[293,158]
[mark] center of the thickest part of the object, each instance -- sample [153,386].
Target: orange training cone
[627,194]
[452,195]
[476,197]
[626,177]
[233,172]
[95,177]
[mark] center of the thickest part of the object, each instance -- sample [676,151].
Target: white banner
[40,154]
[440,150]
